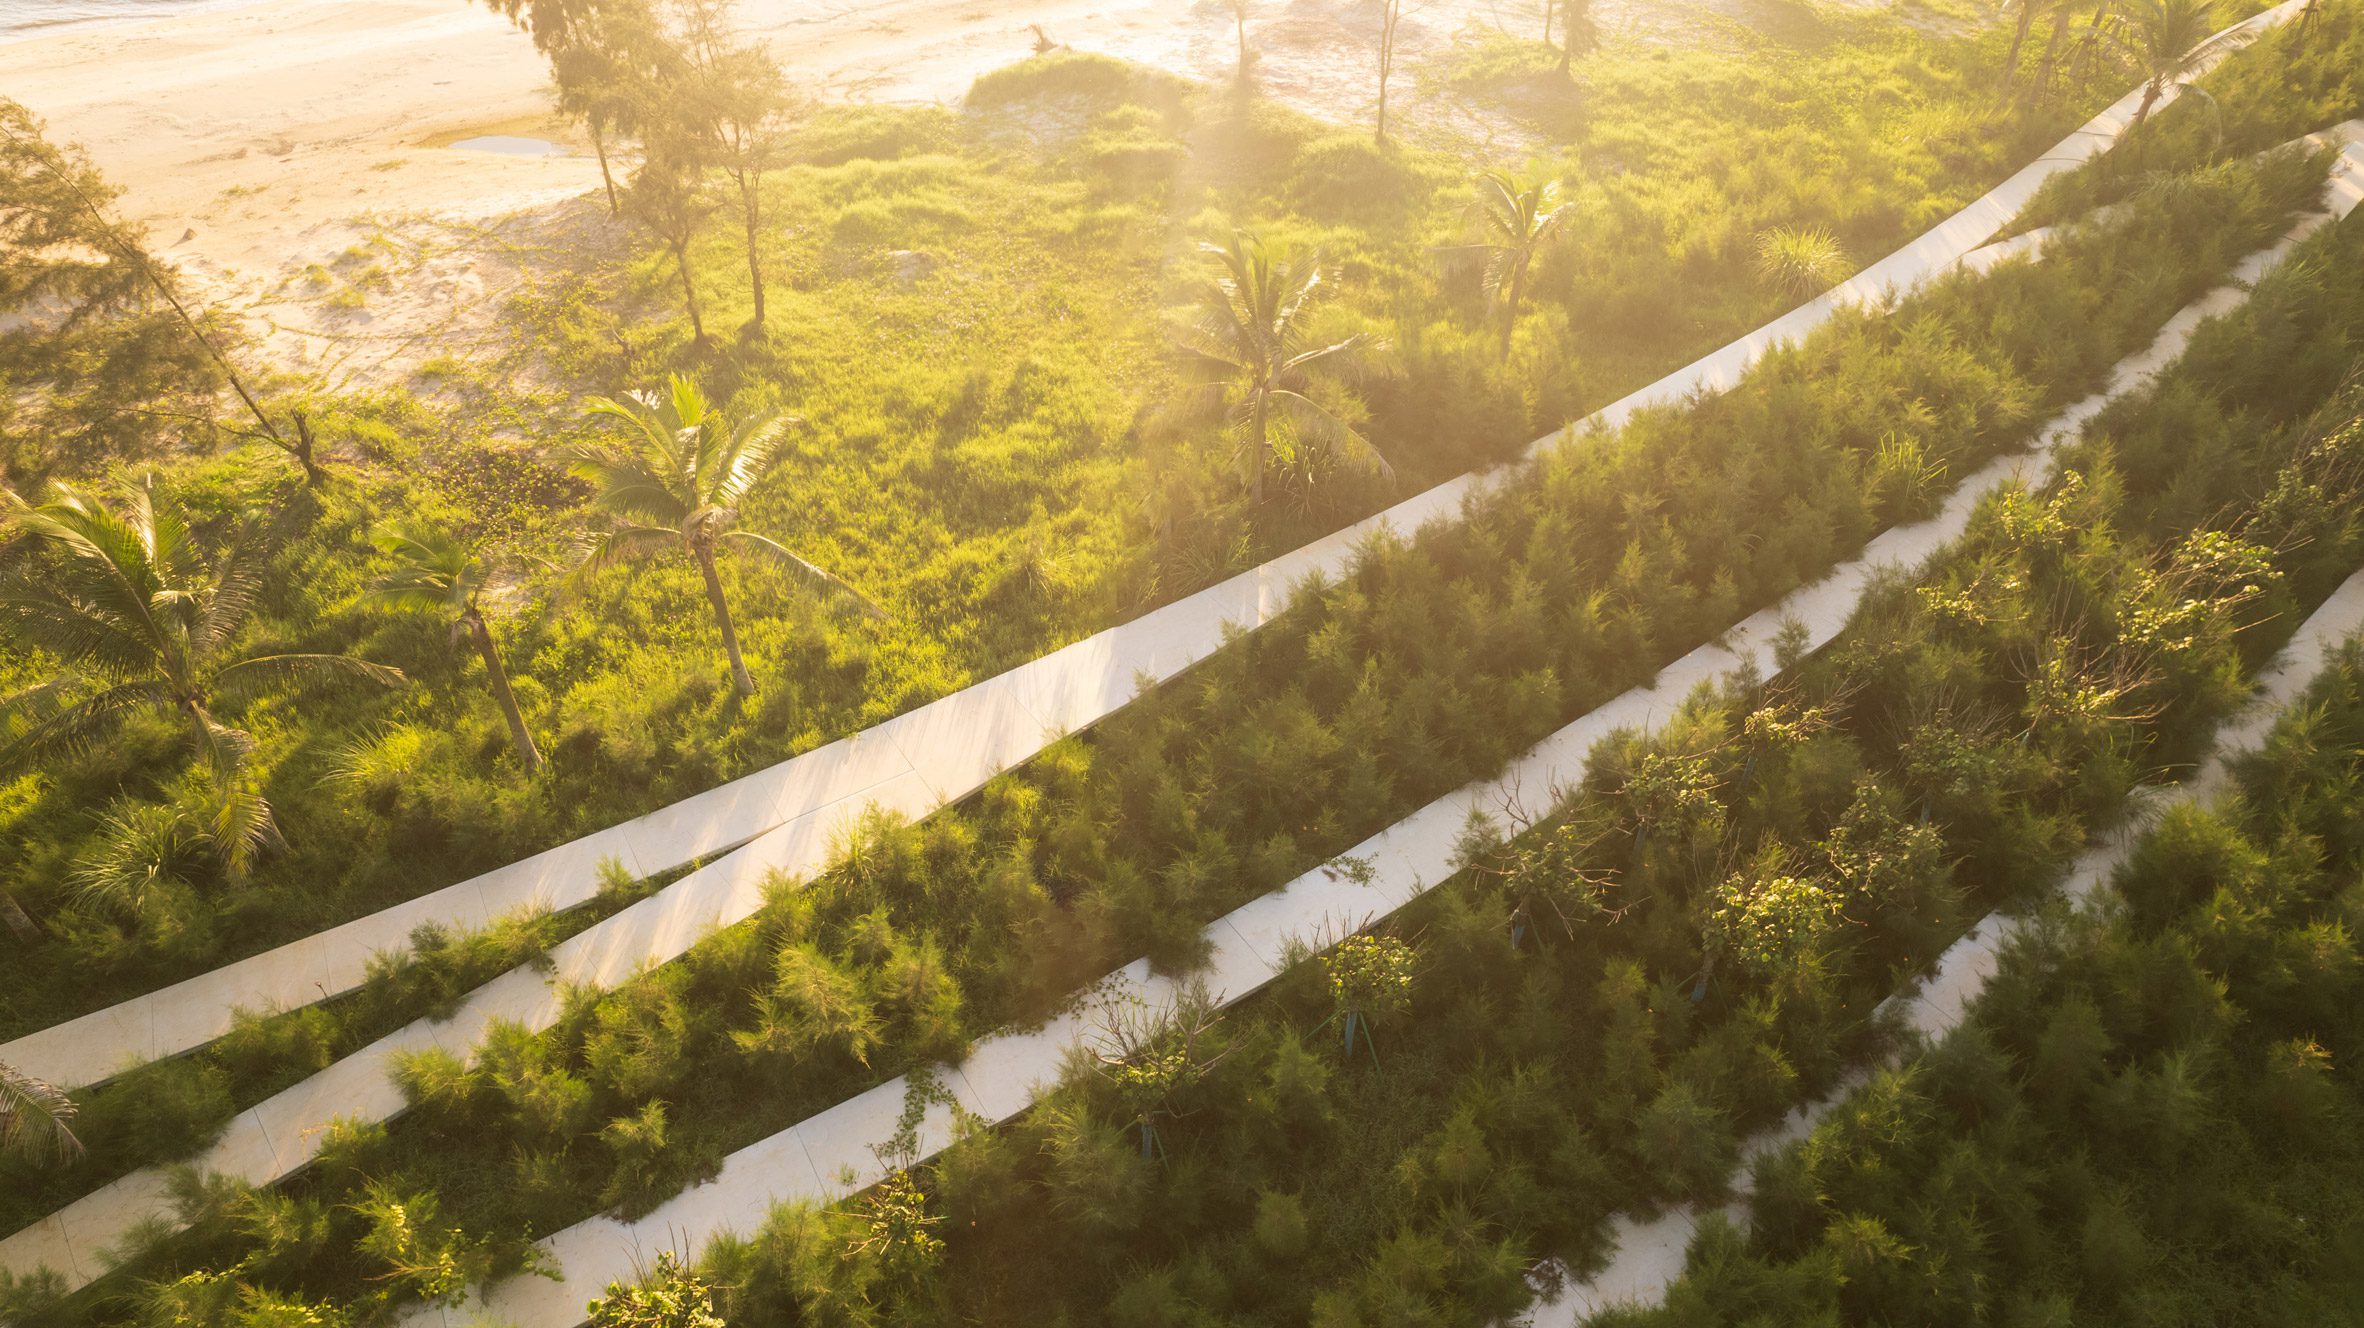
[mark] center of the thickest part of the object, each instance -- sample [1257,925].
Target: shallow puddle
[510,145]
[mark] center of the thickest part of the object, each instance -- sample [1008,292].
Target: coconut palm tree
[2171,41]
[33,1119]
[435,572]
[1248,350]
[123,597]
[675,481]
[1515,220]
[1578,32]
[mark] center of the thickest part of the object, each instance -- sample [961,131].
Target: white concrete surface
[830,1155]
[993,724]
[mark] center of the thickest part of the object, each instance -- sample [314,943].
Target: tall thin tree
[77,186]
[740,102]
[2171,42]
[670,199]
[435,572]
[1391,21]
[1579,34]
[1238,10]
[1247,349]
[674,480]
[1516,219]
[606,57]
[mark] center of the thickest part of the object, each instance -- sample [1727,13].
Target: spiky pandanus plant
[435,572]
[2170,42]
[143,619]
[35,1119]
[1516,220]
[1247,349]
[674,480]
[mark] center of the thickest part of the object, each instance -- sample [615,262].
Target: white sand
[262,128]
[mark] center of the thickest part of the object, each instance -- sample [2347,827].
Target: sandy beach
[261,142]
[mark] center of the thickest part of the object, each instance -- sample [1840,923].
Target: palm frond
[296,669]
[623,544]
[753,450]
[809,571]
[433,572]
[221,747]
[242,827]
[53,618]
[1339,359]
[236,583]
[71,727]
[1322,430]
[35,1119]
[96,558]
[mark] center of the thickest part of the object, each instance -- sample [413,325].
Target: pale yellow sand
[257,141]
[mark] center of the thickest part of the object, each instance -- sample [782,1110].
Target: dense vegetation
[1598,1012]
[970,310]
[1362,703]
[2152,1117]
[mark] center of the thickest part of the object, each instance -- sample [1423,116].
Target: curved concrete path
[829,1156]
[932,755]
[281,1134]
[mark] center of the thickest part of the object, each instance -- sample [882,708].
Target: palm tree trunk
[1551,9]
[19,921]
[2051,61]
[750,209]
[1241,18]
[689,291]
[741,679]
[2027,21]
[201,728]
[2150,98]
[1259,428]
[1510,304]
[615,205]
[499,676]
